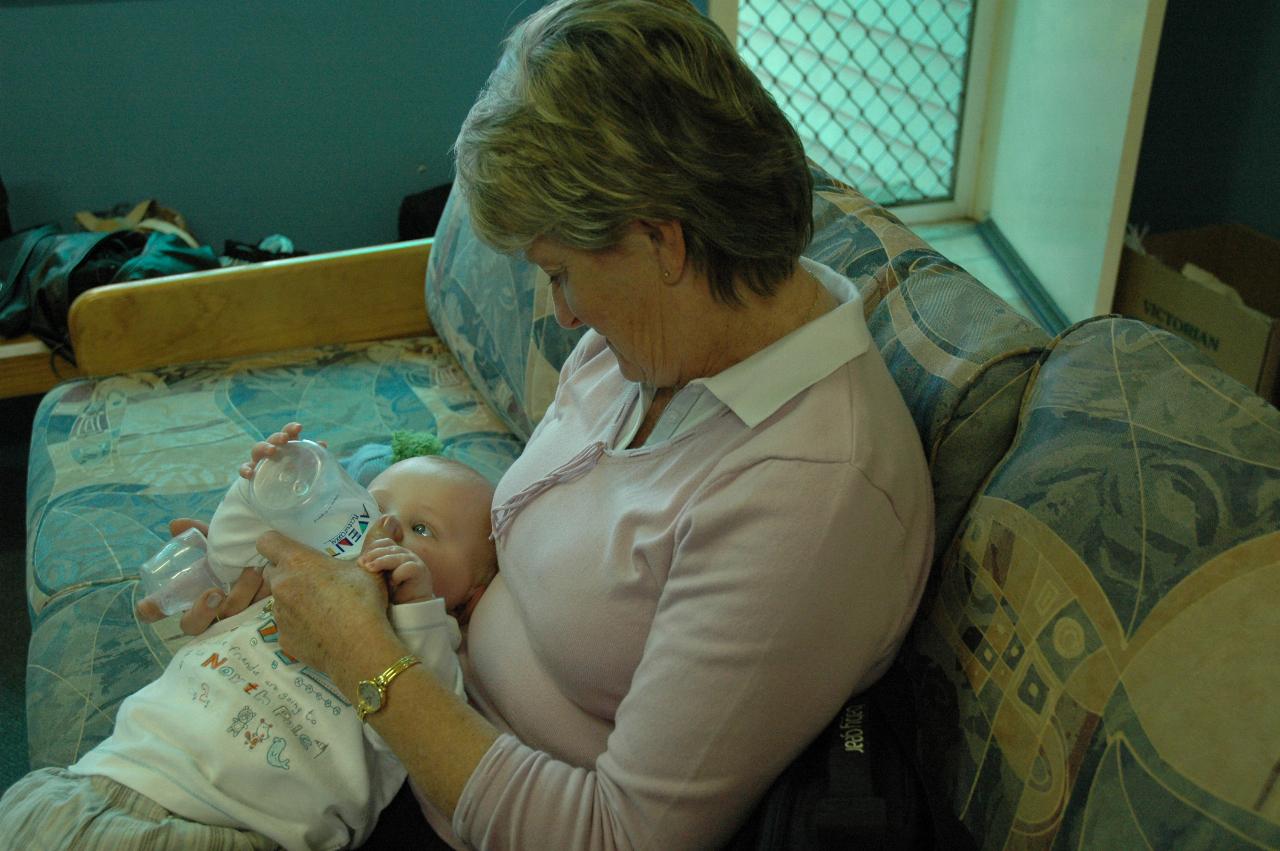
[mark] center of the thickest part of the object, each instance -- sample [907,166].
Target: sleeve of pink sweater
[766,624]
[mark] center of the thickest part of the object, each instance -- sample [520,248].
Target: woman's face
[619,293]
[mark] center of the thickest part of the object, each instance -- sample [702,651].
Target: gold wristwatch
[372,693]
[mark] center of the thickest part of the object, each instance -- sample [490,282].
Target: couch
[1096,664]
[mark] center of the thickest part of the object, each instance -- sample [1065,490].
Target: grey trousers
[51,808]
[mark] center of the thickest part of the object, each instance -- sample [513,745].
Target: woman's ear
[667,238]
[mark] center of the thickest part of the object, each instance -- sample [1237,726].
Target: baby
[237,744]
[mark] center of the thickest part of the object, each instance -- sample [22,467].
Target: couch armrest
[351,296]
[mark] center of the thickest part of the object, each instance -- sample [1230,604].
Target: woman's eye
[422,529]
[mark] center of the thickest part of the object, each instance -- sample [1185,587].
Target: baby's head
[442,507]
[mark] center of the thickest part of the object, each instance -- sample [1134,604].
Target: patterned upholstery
[960,355]
[112,461]
[962,359]
[496,314]
[1099,666]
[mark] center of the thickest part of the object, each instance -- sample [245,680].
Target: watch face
[370,696]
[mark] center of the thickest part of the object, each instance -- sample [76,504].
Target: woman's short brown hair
[604,112]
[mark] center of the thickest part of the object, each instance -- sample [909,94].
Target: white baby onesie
[236,527]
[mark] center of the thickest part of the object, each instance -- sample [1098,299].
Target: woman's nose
[564,316]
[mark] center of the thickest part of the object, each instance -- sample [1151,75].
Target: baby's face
[444,514]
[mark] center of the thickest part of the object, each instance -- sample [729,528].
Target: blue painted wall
[310,119]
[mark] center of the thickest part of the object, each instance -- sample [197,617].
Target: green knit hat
[372,458]
[411,444]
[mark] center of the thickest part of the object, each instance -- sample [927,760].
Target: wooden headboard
[350,296]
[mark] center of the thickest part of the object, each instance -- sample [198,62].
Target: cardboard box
[1232,313]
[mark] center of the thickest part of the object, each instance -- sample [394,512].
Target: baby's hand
[267,448]
[406,574]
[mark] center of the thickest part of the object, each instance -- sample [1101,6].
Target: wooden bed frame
[372,293]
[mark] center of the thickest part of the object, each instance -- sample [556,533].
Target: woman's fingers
[243,592]
[213,604]
[205,611]
[322,606]
[148,610]
[276,548]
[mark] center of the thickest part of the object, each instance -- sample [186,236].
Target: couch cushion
[960,355]
[962,359]
[1099,667]
[495,312]
[113,460]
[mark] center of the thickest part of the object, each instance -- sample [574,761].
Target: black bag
[44,271]
[857,786]
[15,289]
[420,213]
[65,265]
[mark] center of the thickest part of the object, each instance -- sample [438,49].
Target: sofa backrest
[496,315]
[1099,667]
[960,355]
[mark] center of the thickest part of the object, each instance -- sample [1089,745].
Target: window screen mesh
[874,87]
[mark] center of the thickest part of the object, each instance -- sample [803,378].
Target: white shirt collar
[757,387]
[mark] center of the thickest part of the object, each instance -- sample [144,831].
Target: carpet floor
[15,626]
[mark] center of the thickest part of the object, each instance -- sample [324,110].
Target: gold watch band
[397,668]
[372,694]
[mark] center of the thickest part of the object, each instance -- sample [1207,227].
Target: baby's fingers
[374,547]
[407,571]
[381,563]
[292,431]
[266,448]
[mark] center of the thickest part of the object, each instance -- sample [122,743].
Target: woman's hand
[325,609]
[266,448]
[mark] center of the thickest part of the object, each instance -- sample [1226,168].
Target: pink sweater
[673,623]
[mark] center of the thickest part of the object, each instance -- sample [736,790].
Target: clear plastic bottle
[303,492]
[174,578]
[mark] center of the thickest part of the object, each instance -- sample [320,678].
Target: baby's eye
[423,529]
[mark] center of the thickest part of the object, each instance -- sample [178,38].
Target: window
[876,88]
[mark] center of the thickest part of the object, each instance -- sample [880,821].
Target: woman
[721,527]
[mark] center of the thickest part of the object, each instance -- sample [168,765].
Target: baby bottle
[302,492]
[174,578]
